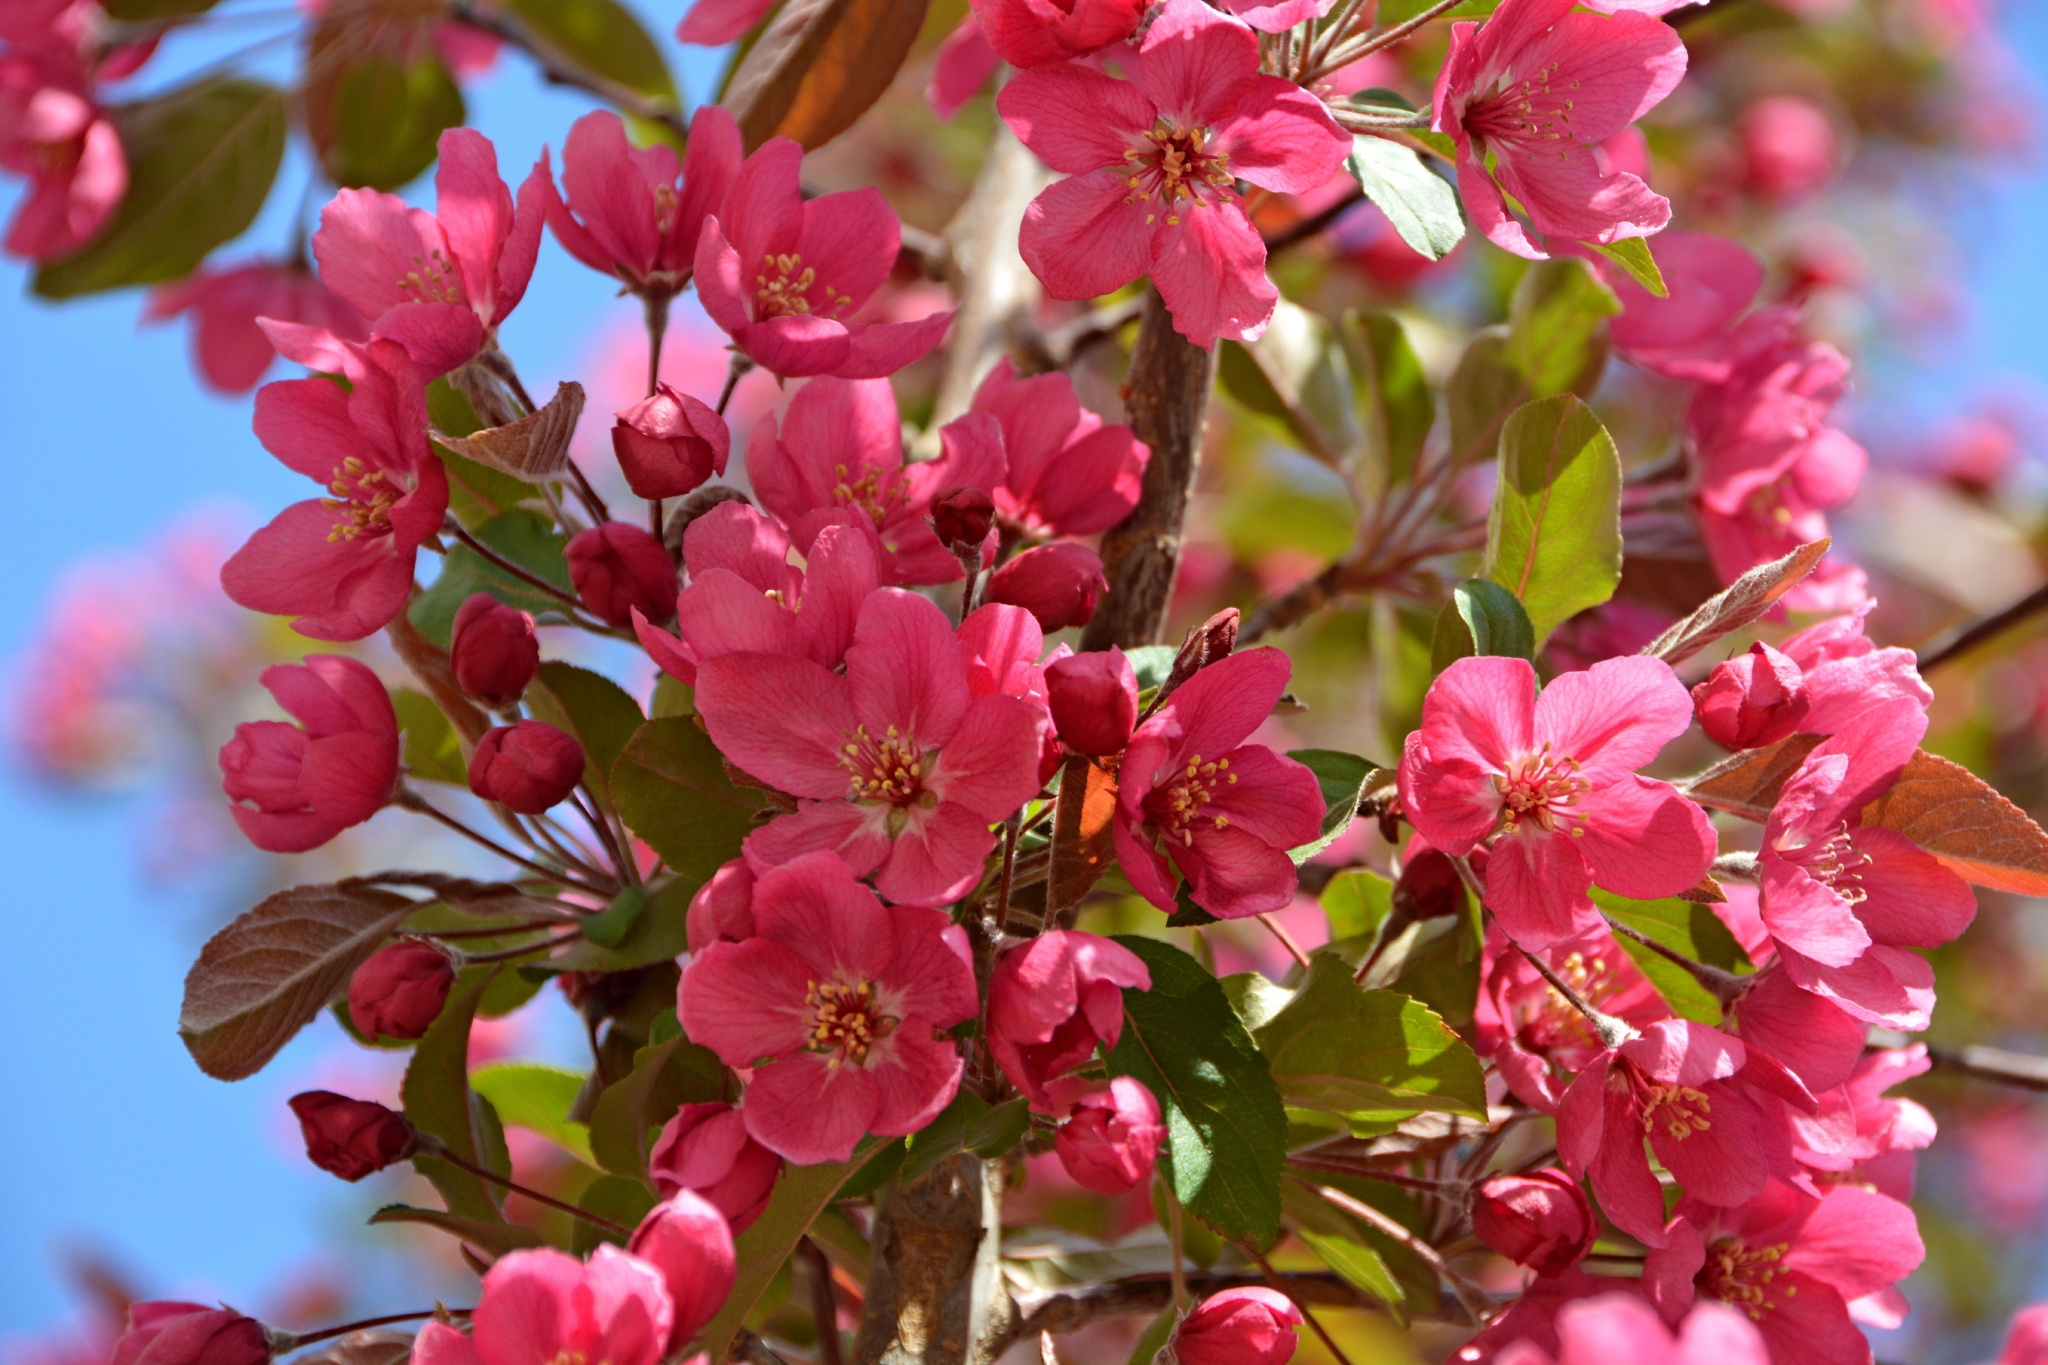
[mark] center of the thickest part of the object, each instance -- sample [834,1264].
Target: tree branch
[1973,633]
[2021,1070]
[1073,1309]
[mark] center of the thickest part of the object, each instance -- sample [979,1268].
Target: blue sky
[109,1136]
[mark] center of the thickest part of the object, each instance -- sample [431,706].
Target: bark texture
[935,1289]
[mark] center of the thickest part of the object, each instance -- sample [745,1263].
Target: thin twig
[434,1147]
[733,374]
[1275,928]
[456,529]
[282,1342]
[1314,224]
[408,799]
[1470,1296]
[1613,1032]
[1724,986]
[2020,1070]
[1329,1342]
[1973,633]
[824,1303]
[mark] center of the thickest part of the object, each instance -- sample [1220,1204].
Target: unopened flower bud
[723,908]
[962,517]
[1752,700]
[1211,642]
[1251,1326]
[494,651]
[1094,701]
[170,1333]
[1112,1139]
[1429,887]
[690,1243]
[526,767]
[668,443]
[399,992]
[1542,1220]
[706,1148]
[352,1138]
[616,568]
[1059,584]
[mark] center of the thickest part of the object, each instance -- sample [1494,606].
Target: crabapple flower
[784,277]
[229,347]
[714,23]
[1052,1001]
[1751,700]
[1788,147]
[1238,1327]
[1000,645]
[1110,1141]
[1536,88]
[1059,584]
[706,1148]
[1791,1263]
[527,767]
[1539,1040]
[1620,1327]
[399,992]
[493,650]
[635,212]
[723,908]
[1028,33]
[900,769]
[53,132]
[1859,1136]
[963,65]
[351,1138]
[1548,786]
[1224,812]
[1152,163]
[1698,331]
[294,787]
[838,460]
[669,443]
[689,1242]
[619,570]
[1542,1220]
[438,283]
[342,564]
[1068,473]
[170,1333]
[1811,1037]
[836,1006]
[1526,1332]
[1094,701]
[542,1306]
[1847,675]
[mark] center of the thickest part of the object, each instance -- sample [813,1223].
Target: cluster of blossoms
[54,130]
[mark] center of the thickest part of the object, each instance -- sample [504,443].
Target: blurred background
[124,1170]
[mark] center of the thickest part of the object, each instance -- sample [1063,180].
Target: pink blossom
[838,460]
[1620,1329]
[1059,584]
[528,767]
[438,283]
[230,349]
[1811,1037]
[1791,1262]
[1862,1137]
[1536,87]
[637,213]
[1542,1220]
[1110,1141]
[1698,331]
[1277,16]
[1847,675]
[784,276]
[1539,1040]
[295,787]
[714,23]
[1238,1327]
[1753,699]
[1224,812]
[900,769]
[1053,1001]
[723,908]
[1529,1325]
[541,1306]
[1094,701]
[53,132]
[1547,785]
[1788,145]
[705,1148]
[1152,162]
[1068,474]
[962,67]
[837,1006]
[2026,1342]
[621,571]
[688,1242]
[1030,33]
[1613,628]
[669,443]
[172,1333]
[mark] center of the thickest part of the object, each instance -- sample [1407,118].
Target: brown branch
[1470,1296]
[1315,223]
[1069,1311]
[2021,1070]
[1973,633]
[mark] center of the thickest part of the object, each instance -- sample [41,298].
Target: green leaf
[1401,11]
[800,1196]
[1557,326]
[1153,1339]
[1685,927]
[665,1076]
[617,1198]
[537,1098]
[1356,902]
[201,160]
[1341,1242]
[672,697]
[526,539]
[1342,777]
[1420,204]
[671,787]
[433,751]
[659,933]
[439,1101]
[611,924]
[968,1124]
[603,38]
[1395,403]
[1553,537]
[1481,618]
[1373,1058]
[1482,391]
[1254,999]
[1226,1134]
[1297,374]
[1151,663]
[877,1170]
[383,119]
[497,1238]
[1633,255]
[601,715]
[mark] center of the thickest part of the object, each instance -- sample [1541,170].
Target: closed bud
[962,518]
[723,908]
[1429,887]
[1752,700]
[1111,1140]
[170,1333]
[494,651]
[352,1138]
[1211,642]
[526,767]
[616,568]
[668,444]
[1059,584]
[1249,1326]
[1542,1220]
[690,1244]
[399,992]
[705,1148]
[1094,701]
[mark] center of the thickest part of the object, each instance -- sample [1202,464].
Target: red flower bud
[616,568]
[962,518]
[1543,1220]
[296,787]
[1429,888]
[668,443]
[1094,701]
[170,1333]
[526,767]
[689,1242]
[1752,700]
[400,991]
[1238,1327]
[494,651]
[706,1148]
[1209,643]
[1052,1001]
[723,907]
[1112,1140]
[352,1138]
[1059,584]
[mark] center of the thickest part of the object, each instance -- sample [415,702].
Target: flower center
[1542,788]
[1185,796]
[1556,1022]
[1835,862]
[1528,110]
[1741,1277]
[876,492]
[846,1019]
[431,280]
[785,289]
[888,769]
[365,496]
[1680,1108]
[1171,166]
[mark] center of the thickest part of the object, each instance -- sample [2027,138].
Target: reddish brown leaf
[536,447]
[1740,603]
[1978,834]
[821,65]
[1081,844]
[1747,784]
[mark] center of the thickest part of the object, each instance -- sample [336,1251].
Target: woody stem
[408,799]
[456,529]
[1725,987]
[1470,1296]
[734,373]
[439,1150]
[292,1341]
[1272,1279]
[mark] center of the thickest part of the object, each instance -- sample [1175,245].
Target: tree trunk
[935,1289]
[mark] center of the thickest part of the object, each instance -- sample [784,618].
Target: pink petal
[1489,211]
[305,423]
[527,1310]
[475,211]
[915,1075]
[1218,708]
[1817,1041]
[714,23]
[841,575]
[1618,714]
[1211,270]
[1144,867]
[856,834]
[1076,120]
[721,614]
[763,212]
[607,189]
[338,590]
[807,1110]
[796,346]
[1910,899]
[1618,69]
[1569,196]
[1482,709]
[1274,799]
[813,906]
[876,350]
[721,280]
[745,1001]
[1232,873]
[793,744]
[904,670]
[851,240]
[735,537]
[1083,239]
[1889,986]
[933,971]
[1195,64]
[990,764]
[710,165]
[670,655]
[1282,138]
[1858,1242]
[370,247]
[937,858]
[1642,839]
[963,66]
[348,778]
[438,336]
[1536,886]
[1717,1164]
